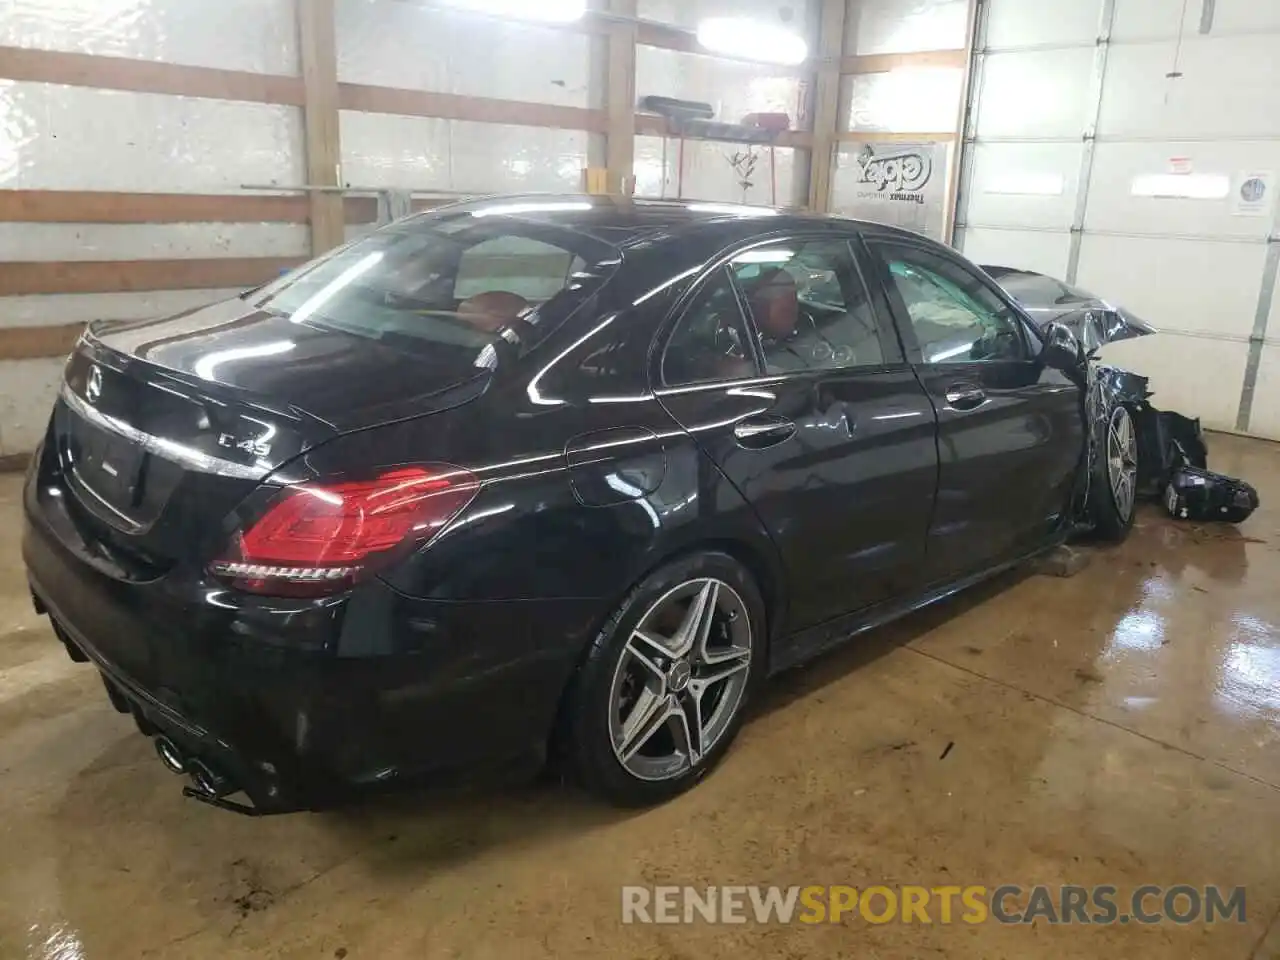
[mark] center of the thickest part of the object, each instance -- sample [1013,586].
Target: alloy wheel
[1122,461]
[680,679]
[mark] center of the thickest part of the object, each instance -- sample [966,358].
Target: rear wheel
[1115,477]
[662,692]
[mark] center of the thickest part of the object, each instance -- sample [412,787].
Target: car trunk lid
[163,427]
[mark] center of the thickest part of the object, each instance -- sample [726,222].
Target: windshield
[446,284]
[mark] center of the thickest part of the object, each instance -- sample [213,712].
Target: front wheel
[1115,478]
[663,689]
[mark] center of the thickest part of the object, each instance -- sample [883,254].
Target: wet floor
[1121,727]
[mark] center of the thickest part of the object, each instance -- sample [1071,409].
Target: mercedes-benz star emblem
[93,387]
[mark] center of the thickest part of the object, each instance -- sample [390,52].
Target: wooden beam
[884,136]
[319,51]
[884,62]
[826,109]
[452,106]
[621,100]
[117,276]
[100,206]
[33,343]
[146,76]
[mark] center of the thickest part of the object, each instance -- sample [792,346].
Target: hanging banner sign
[904,184]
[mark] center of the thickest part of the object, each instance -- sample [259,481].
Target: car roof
[627,221]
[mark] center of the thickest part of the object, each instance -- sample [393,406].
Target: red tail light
[318,539]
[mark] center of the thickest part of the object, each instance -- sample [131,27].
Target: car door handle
[966,396]
[761,432]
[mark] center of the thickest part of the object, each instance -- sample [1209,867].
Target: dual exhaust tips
[204,779]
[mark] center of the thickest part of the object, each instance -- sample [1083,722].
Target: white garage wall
[1072,103]
[734,89]
[55,137]
[901,101]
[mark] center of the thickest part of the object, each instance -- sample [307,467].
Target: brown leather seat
[775,304]
[492,310]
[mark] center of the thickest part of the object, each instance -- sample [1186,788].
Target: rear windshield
[447,284]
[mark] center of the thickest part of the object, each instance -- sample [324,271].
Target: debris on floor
[1173,466]
[1061,561]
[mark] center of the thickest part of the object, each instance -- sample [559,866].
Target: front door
[803,398]
[1010,430]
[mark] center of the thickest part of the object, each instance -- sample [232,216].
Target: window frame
[891,347]
[874,247]
[688,302]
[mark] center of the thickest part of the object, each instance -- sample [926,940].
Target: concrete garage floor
[1120,727]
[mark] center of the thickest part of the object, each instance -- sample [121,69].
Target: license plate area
[108,468]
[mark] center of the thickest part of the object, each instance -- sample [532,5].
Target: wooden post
[320,119]
[621,103]
[826,107]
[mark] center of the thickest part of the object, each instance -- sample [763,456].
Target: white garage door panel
[1183,285]
[1112,205]
[1265,418]
[1200,378]
[1011,182]
[1016,23]
[1230,87]
[1160,18]
[1042,252]
[1039,94]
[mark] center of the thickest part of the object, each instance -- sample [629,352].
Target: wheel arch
[754,558]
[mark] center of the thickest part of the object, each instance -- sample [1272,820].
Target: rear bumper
[296,703]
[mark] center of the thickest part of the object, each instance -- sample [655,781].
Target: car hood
[1094,320]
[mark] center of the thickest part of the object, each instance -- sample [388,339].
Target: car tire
[1114,498]
[625,743]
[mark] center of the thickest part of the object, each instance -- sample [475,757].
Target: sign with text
[904,184]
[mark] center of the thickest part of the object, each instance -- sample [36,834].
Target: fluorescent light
[1182,186]
[553,11]
[752,40]
[510,209]
[1028,184]
[732,209]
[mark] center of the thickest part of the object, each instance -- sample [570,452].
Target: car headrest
[775,304]
[492,310]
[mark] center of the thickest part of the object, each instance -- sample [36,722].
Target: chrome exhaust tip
[170,755]
[206,781]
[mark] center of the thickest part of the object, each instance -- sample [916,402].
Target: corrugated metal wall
[1076,106]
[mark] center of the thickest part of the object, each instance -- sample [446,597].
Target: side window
[528,268]
[956,317]
[810,305]
[710,341]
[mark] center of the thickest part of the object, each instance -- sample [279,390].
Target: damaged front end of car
[1171,450]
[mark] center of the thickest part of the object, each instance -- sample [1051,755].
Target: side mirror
[1061,349]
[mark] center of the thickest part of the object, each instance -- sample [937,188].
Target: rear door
[1010,430]
[783,371]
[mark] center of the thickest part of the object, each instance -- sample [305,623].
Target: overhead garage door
[1133,146]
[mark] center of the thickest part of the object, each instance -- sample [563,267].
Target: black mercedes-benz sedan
[541,470]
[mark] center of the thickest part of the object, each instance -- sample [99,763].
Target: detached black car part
[1172,455]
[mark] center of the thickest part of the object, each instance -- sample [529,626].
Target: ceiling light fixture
[752,40]
[551,11]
